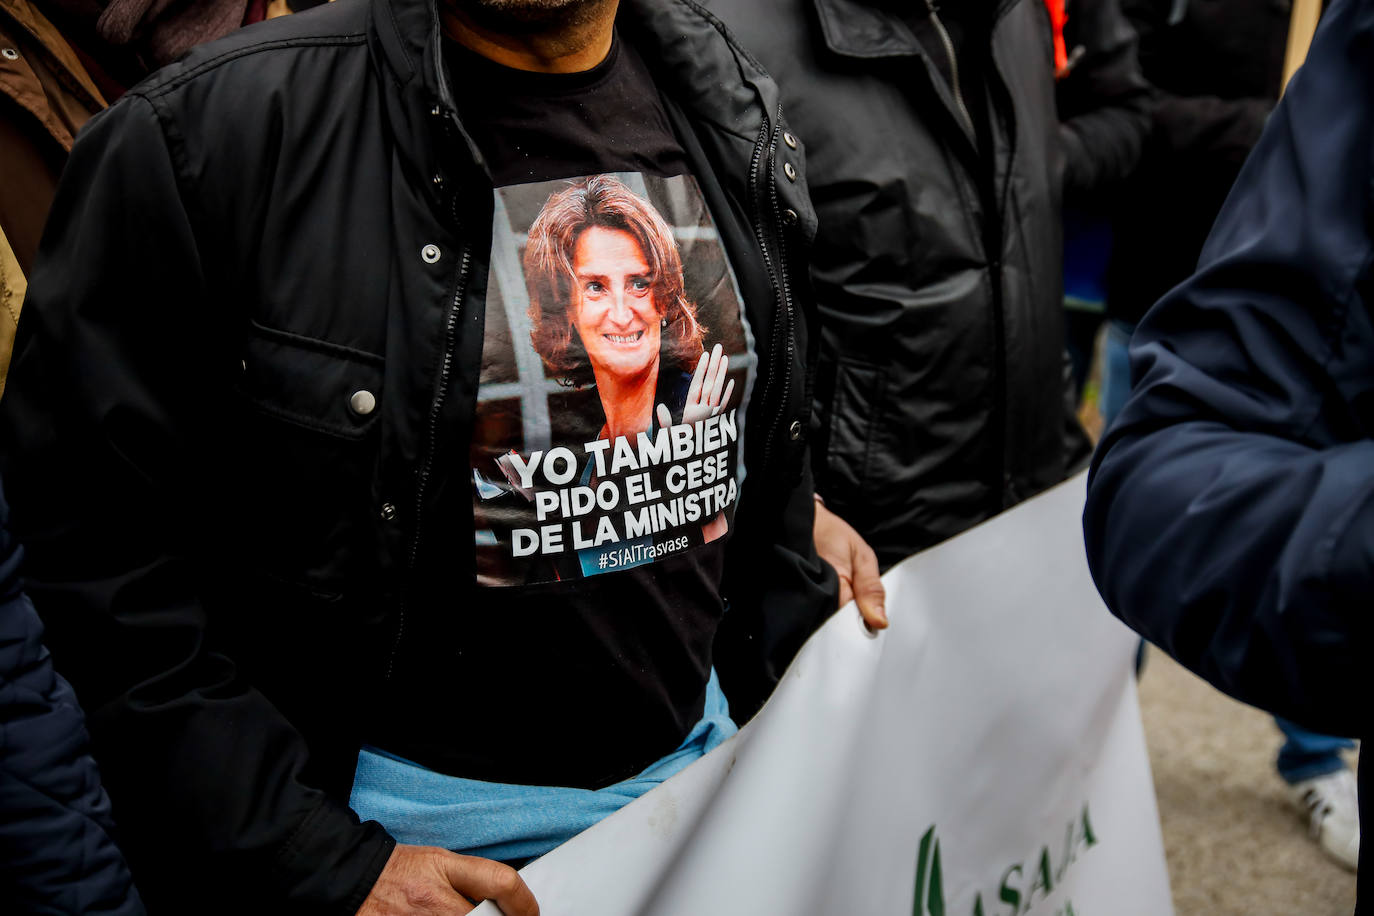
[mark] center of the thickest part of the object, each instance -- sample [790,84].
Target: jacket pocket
[332,389]
[854,411]
[306,454]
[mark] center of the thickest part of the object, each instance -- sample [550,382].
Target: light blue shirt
[505,821]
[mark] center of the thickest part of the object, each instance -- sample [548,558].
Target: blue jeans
[1307,755]
[1116,370]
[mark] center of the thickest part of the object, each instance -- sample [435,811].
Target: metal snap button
[438,181]
[789,171]
[790,140]
[436,111]
[790,217]
[363,402]
[387,512]
[9,54]
[430,254]
[795,430]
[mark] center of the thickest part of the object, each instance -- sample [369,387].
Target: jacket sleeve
[781,592]
[1230,514]
[57,852]
[1208,128]
[1104,101]
[1190,128]
[119,378]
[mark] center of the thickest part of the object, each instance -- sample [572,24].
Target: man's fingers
[846,591]
[855,563]
[832,544]
[868,586]
[484,879]
[665,417]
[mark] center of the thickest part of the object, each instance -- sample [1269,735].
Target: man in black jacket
[936,151]
[300,470]
[1218,69]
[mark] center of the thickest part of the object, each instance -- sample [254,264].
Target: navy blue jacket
[1230,514]
[56,852]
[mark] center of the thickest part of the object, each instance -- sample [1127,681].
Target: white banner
[982,757]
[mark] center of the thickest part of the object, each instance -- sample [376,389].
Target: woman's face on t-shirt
[614,312]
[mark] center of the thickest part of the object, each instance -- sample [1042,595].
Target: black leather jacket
[940,395]
[236,567]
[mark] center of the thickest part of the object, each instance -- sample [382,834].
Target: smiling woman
[607,301]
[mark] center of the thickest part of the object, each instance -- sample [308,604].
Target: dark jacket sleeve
[106,426]
[1208,128]
[1104,101]
[57,852]
[1190,123]
[781,592]
[1230,514]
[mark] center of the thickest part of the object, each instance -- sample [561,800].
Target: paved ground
[1235,846]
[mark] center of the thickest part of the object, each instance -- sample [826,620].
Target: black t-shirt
[600,529]
[534,127]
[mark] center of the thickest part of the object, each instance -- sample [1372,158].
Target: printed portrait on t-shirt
[615,364]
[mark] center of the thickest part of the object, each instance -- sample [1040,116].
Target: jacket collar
[864,29]
[27,16]
[710,76]
[698,63]
[695,62]
[853,28]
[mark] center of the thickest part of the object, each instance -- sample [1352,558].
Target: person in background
[1218,68]
[941,391]
[61,62]
[46,95]
[1230,511]
[58,854]
[277,339]
[1104,108]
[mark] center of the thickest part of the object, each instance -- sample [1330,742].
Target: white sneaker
[1332,806]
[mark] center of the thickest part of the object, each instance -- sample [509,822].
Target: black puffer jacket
[940,387]
[57,852]
[243,576]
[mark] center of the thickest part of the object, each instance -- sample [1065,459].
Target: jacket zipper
[783,337]
[432,442]
[955,87]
